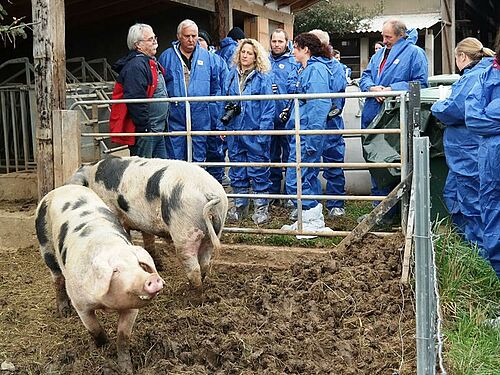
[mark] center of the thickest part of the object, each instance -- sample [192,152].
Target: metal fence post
[424,284]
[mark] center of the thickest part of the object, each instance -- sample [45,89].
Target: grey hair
[135,34]
[184,24]
[323,36]
[398,27]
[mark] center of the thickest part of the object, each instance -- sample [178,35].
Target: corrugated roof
[412,21]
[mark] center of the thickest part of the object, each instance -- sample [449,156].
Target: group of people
[242,66]
[471,115]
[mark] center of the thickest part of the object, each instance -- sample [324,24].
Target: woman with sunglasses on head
[461,191]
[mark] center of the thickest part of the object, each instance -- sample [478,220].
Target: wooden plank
[376,215]
[50,82]
[67,135]
[409,238]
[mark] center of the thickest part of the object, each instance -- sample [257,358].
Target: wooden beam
[50,82]
[376,215]
[249,7]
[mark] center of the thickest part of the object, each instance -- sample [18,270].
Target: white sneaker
[336,212]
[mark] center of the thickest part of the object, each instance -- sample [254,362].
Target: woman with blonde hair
[461,191]
[249,76]
[482,116]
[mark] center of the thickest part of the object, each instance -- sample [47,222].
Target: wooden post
[67,134]
[50,82]
[223,15]
[262,31]
[448,36]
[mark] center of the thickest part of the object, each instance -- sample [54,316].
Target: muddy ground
[262,311]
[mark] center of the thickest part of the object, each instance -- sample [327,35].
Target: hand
[379,99]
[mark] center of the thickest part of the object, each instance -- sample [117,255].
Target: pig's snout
[153,284]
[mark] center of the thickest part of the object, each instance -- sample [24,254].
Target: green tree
[336,17]
[11,29]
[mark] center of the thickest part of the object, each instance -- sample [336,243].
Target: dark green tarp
[385,148]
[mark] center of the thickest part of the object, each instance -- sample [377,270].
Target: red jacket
[142,83]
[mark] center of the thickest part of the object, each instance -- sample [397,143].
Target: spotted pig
[163,198]
[93,263]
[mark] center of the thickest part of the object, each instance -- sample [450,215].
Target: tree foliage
[10,29]
[335,17]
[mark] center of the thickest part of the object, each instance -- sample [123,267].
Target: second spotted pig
[163,198]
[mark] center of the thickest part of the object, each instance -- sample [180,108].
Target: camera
[232,110]
[284,116]
[334,112]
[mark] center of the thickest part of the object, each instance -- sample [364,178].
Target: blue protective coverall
[203,81]
[406,62]
[214,143]
[227,47]
[281,68]
[334,150]
[461,191]
[314,78]
[482,116]
[254,115]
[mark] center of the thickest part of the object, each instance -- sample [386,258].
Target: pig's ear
[144,258]
[98,278]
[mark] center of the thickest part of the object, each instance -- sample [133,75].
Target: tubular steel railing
[189,133]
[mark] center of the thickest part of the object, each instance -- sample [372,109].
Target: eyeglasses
[152,39]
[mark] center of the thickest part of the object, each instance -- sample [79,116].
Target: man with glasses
[140,76]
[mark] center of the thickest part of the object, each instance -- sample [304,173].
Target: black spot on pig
[51,262]
[85,232]
[143,164]
[110,172]
[62,235]
[79,203]
[85,213]
[85,182]
[109,216]
[79,227]
[122,203]
[171,202]
[40,224]
[63,254]
[153,185]
[66,206]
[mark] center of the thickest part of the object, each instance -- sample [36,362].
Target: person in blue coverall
[391,69]
[482,116]
[461,191]
[228,44]
[214,144]
[249,76]
[190,71]
[282,65]
[334,144]
[314,76]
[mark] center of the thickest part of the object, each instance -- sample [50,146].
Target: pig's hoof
[101,339]
[64,309]
[126,366]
